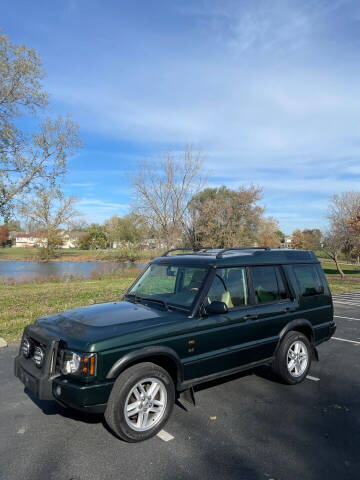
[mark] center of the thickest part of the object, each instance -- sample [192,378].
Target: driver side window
[229,286]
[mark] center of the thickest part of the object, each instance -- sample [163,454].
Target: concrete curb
[3,343]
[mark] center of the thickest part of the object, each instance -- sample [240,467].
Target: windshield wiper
[156,300]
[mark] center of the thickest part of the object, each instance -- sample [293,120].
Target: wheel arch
[163,356]
[299,325]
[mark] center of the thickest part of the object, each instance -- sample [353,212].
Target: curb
[3,343]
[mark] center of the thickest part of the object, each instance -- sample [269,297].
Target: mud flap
[188,397]
[315,355]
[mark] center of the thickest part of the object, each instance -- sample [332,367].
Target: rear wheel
[293,358]
[141,402]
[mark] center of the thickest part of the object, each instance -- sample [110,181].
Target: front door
[222,340]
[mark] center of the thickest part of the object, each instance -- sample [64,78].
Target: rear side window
[268,284]
[308,280]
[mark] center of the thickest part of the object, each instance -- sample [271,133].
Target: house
[70,239]
[38,239]
[287,242]
[29,240]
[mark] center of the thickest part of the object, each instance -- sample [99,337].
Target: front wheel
[140,402]
[293,359]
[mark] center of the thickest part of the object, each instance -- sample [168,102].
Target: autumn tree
[268,233]
[50,211]
[222,217]
[297,239]
[311,238]
[163,190]
[28,160]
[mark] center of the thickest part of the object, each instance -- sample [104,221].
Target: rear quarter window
[308,280]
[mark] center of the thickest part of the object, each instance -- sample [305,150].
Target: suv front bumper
[38,384]
[90,397]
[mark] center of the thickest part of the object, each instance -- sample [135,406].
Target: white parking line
[347,318]
[347,303]
[345,340]
[165,436]
[315,379]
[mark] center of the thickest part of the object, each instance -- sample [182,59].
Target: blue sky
[269,90]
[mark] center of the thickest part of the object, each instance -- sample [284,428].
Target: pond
[18,271]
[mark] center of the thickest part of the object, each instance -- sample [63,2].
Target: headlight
[26,347]
[81,364]
[38,356]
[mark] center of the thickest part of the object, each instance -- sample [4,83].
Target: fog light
[26,347]
[38,356]
[58,391]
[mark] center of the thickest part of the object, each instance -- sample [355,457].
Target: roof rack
[224,250]
[195,250]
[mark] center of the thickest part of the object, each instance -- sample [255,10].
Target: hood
[82,327]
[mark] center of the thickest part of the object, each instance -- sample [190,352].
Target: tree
[28,161]
[268,233]
[342,211]
[332,246]
[4,236]
[49,210]
[128,229]
[297,239]
[341,234]
[311,239]
[14,225]
[223,217]
[163,191]
[95,238]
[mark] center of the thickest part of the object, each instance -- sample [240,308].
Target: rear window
[308,280]
[268,284]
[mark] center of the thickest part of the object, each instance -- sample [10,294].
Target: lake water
[15,271]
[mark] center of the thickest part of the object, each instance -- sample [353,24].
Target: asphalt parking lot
[245,427]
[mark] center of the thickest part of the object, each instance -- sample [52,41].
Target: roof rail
[224,250]
[194,249]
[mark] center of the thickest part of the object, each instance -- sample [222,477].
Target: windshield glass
[175,285]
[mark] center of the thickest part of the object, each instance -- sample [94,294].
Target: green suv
[189,318]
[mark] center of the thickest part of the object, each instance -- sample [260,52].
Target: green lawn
[22,304]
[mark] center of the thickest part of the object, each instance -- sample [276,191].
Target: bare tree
[343,209]
[164,189]
[49,210]
[28,161]
[332,245]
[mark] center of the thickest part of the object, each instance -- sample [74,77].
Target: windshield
[174,285]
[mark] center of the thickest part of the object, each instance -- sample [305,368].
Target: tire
[293,373]
[132,391]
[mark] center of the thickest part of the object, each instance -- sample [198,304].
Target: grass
[22,304]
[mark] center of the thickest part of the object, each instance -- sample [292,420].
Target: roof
[248,256]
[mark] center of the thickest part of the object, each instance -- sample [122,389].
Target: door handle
[289,309]
[250,317]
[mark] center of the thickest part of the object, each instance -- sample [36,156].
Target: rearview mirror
[216,307]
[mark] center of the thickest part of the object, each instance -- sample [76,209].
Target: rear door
[275,306]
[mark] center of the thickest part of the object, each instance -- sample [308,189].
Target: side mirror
[216,308]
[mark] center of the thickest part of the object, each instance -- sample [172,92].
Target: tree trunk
[338,268]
